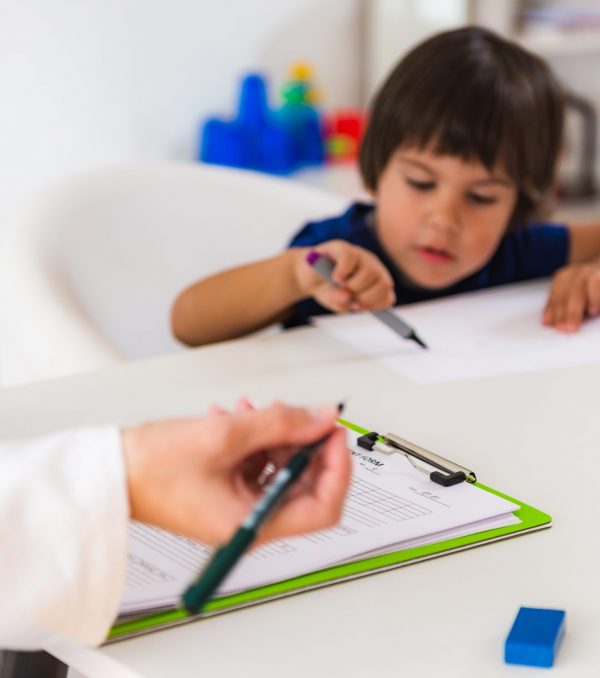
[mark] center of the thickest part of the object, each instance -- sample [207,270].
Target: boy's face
[440,218]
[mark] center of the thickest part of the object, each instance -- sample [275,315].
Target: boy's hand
[363,282]
[202,477]
[574,295]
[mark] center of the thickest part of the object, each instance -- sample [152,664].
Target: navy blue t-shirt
[535,251]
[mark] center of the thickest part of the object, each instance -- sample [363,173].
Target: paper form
[389,505]
[496,331]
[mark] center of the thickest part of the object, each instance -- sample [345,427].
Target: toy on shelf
[273,141]
[343,133]
[253,139]
[301,77]
[299,117]
[279,141]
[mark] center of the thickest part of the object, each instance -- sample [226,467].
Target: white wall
[394,27]
[85,83]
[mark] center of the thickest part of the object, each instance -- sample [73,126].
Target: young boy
[459,156]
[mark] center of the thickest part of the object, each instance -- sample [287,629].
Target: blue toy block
[534,637]
[253,109]
[258,138]
[303,126]
[223,143]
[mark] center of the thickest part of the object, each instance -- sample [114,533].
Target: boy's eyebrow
[426,168]
[418,164]
[494,180]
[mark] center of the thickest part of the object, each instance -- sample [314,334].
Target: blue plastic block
[534,637]
[259,138]
[253,109]
[223,143]
[303,126]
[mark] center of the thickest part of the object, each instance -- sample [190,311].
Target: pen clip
[449,473]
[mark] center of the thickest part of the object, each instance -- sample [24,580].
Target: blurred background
[89,83]
[278,87]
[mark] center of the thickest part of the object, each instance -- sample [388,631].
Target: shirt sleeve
[314,233]
[63,545]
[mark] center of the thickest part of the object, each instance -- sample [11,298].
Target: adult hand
[199,476]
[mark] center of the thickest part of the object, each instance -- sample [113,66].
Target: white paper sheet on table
[469,336]
[390,506]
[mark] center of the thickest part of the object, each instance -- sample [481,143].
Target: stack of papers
[390,506]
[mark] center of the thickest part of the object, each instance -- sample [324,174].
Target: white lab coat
[63,536]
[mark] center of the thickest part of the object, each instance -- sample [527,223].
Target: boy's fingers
[346,267]
[346,257]
[377,297]
[364,279]
[575,293]
[548,316]
[335,299]
[593,293]
[557,300]
[574,306]
[371,272]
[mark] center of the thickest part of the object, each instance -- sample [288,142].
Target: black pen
[224,559]
[324,266]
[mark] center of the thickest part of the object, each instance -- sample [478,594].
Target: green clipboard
[531,519]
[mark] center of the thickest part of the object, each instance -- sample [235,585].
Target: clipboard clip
[448,474]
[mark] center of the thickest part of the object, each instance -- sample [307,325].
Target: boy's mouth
[435,255]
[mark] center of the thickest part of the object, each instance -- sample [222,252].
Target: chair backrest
[97,261]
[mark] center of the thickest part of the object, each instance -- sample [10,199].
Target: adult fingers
[320,504]
[244,405]
[243,434]
[216,410]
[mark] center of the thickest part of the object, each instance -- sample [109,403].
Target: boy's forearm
[235,302]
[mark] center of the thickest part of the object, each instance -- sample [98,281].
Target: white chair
[93,265]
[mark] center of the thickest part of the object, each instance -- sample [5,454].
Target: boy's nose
[444,216]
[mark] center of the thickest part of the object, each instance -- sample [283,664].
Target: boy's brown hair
[474,95]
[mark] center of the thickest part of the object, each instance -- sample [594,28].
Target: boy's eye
[421,185]
[479,199]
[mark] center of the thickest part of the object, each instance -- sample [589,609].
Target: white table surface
[534,436]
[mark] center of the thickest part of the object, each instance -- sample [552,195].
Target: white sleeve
[63,536]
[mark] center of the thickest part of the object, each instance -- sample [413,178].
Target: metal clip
[449,473]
